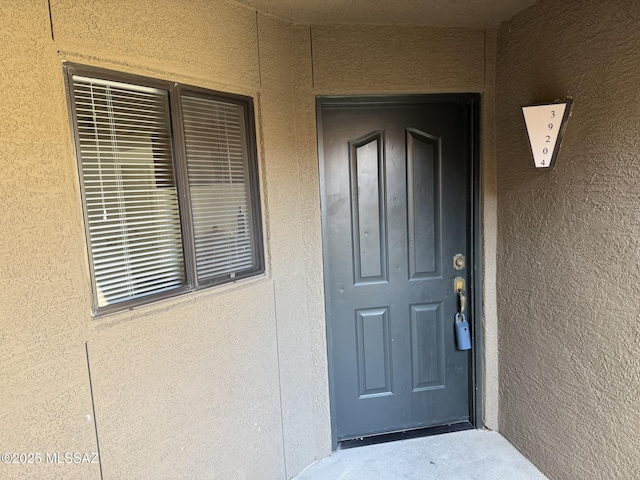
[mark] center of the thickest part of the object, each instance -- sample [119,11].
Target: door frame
[472,102]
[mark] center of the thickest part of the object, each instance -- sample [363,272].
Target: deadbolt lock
[458,262]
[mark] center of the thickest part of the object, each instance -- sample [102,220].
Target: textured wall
[44,394]
[213,42]
[191,391]
[490,236]
[569,241]
[188,386]
[385,59]
[288,124]
[407,59]
[230,382]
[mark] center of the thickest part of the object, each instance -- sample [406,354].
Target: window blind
[217,164]
[169,185]
[131,201]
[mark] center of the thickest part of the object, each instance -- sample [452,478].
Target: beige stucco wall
[184,387]
[295,238]
[230,382]
[569,241]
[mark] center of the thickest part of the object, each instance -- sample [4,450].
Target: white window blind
[124,137]
[169,183]
[217,163]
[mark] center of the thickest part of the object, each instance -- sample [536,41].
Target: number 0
[545,150]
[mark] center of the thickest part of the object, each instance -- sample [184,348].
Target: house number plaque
[545,126]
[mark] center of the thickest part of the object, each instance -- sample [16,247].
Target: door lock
[459,262]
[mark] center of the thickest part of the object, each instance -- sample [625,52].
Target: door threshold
[405,435]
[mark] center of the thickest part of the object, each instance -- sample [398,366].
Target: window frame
[180,169]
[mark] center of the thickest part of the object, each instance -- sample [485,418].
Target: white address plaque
[545,125]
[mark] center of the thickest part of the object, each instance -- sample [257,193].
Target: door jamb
[472,101]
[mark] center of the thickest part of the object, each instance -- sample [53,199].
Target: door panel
[427,347]
[395,212]
[368,209]
[373,347]
[423,204]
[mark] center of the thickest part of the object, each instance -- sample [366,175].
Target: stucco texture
[569,241]
[288,125]
[43,378]
[229,382]
[383,58]
[188,386]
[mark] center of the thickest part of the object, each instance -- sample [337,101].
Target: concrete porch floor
[467,455]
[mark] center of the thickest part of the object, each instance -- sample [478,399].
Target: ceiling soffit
[445,13]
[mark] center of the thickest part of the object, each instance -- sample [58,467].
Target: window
[169,184]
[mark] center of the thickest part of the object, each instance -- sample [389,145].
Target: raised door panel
[368,212]
[423,199]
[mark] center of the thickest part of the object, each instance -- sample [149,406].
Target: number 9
[551,126]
